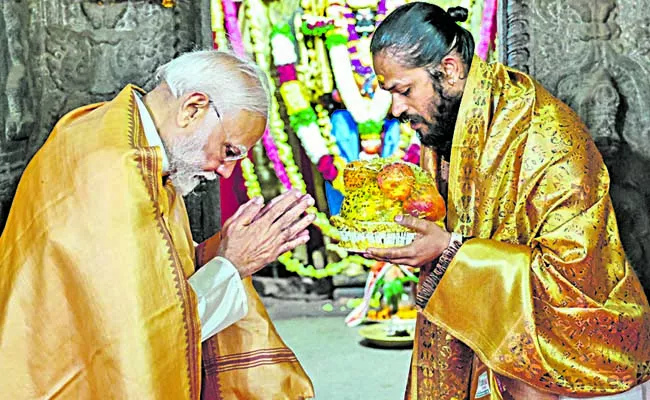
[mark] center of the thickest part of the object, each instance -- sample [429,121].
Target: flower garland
[253,188]
[277,125]
[365,72]
[220,40]
[285,159]
[369,114]
[236,41]
[304,120]
[232,26]
[314,26]
[332,269]
[370,131]
[488,29]
[314,67]
[331,165]
[306,69]
[277,128]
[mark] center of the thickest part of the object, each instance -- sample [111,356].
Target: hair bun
[458,14]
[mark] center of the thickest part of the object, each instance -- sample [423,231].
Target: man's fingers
[292,244]
[390,254]
[299,226]
[238,213]
[273,202]
[247,212]
[387,254]
[417,224]
[402,257]
[292,214]
[282,205]
[301,233]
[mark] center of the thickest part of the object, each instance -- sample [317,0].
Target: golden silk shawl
[94,261]
[542,293]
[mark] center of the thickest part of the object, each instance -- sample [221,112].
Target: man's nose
[398,107]
[225,169]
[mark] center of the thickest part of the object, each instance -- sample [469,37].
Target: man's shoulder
[110,128]
[91,138]
[550,126]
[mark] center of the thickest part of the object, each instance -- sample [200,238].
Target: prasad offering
[378,190]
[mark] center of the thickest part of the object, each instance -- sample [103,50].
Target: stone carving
[66,53]
[595,56]
[19,110]
[89,50]
[16,110]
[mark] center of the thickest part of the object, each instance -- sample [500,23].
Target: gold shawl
[543,293]
[249,360]
[94,260]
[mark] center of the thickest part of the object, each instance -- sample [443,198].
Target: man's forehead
[249,128]
[391,73]
[393,81]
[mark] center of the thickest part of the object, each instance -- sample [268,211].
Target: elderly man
[527,294]
[100,291]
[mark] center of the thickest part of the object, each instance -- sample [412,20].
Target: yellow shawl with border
[94,261]
[542,293]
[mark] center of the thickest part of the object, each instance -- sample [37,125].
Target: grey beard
[187,179]
[186,158]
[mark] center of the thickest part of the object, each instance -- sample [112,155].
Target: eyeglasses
[234,152]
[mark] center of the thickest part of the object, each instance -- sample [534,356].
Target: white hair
[232,82]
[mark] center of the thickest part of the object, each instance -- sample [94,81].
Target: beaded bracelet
[431,282]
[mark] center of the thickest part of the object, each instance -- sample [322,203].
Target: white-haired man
[101,295]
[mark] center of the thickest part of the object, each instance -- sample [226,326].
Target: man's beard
[441,121]
[186,159]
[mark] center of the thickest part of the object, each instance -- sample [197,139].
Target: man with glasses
[103,293]
[527,293]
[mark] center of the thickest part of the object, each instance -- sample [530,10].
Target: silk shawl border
[150,166]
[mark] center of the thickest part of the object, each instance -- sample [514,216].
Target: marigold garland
[217,23]
[302,116]
[369,112]
[262,52]
[253,188]
[332,269]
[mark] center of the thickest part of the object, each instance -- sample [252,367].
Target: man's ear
[193,107]
[452,68]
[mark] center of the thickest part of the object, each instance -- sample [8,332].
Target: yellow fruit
[396,181]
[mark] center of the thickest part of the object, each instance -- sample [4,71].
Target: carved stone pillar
[56,55]
[595,56]
[16,109]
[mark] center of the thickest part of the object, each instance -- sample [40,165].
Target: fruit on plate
[396,180]
[356,176]
[376,191]
[425,202]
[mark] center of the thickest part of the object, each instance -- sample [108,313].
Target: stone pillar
[56,55]
[595,56]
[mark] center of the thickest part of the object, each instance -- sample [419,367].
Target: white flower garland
[362,109]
